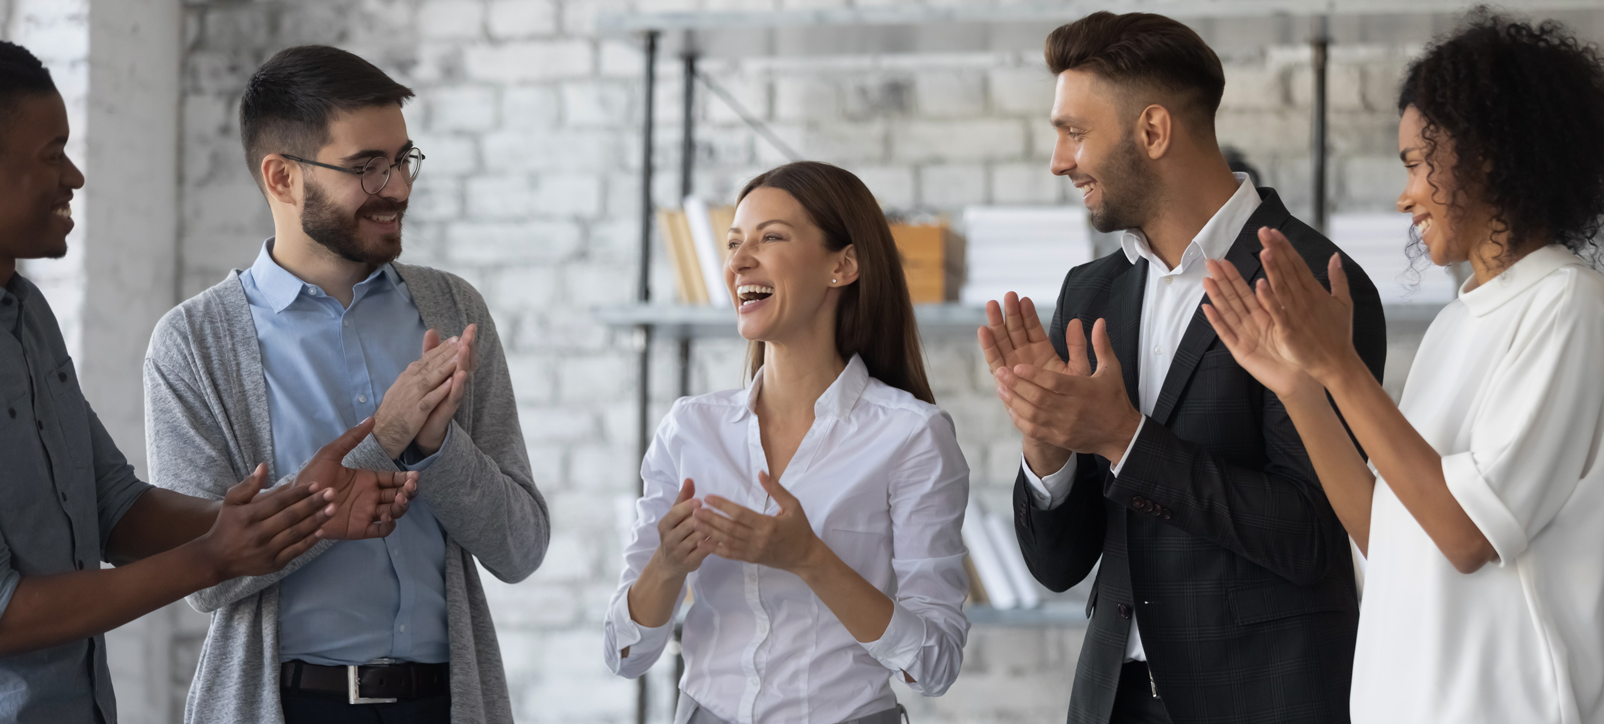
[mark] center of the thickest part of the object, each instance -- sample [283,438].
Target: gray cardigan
[207,426]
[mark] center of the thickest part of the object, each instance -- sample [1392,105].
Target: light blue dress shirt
[327,369]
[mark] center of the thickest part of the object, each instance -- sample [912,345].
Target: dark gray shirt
[64,485]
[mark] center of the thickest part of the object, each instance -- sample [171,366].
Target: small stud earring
[832,281]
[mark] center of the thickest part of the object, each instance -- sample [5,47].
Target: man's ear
[846,267]
[1155,131]
[281,179]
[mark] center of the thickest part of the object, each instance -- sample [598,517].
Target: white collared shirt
[1507,388]
[884,485]
[1169,300]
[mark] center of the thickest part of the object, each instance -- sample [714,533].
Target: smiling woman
[824,553]
[846,238]
[1481,507]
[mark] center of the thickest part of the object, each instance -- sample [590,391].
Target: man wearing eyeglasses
[324,329]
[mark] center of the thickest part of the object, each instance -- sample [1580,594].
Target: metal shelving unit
[691,36]
[690,322]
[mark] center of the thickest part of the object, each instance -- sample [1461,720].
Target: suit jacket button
[1139,503]
[1124,610]
[1166,515]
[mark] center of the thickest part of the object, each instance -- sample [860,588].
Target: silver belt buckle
[353,688]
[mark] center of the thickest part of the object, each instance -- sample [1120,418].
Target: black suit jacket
[1216,534]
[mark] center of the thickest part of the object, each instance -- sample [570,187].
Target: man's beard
[339,231]
[1128,187]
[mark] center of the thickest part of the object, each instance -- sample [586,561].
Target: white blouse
[883,483]
[1508,385]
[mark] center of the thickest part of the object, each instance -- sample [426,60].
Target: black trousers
[311,707]
[1134,702]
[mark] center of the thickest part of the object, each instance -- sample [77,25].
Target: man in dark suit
[1226,588]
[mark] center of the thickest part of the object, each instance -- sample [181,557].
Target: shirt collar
[1519,277]
[15,292]
[17,287]
[280,288]
[838,399]
[1213,241]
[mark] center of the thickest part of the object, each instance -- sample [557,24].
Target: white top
[1508,385]
[1169,301]
[883,483]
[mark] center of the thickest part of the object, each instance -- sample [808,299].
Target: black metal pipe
[1320,44]
[687,158]
[687,167]
[644,284]
[643,294]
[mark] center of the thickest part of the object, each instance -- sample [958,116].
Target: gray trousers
[690,712]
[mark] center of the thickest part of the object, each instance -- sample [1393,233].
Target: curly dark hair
[1522,106]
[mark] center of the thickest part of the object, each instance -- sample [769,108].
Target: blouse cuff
[627,633]
[1484,507]
[897,648]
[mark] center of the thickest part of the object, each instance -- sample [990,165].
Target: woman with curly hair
[1492,455]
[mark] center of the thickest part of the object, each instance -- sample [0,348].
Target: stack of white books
[1022,249]
[994,551]
[1377,243]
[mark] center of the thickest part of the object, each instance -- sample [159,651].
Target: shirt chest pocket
[71,413]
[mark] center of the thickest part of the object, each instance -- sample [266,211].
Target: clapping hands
[1059,405]
[784,540]
[1289,332]
[363,503]
[421,402]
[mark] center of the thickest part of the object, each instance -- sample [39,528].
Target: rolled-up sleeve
[116,486]
[9,577]
[1533,438]
[620,631]
[926,636]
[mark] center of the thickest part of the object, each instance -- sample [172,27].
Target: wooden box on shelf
[932,260]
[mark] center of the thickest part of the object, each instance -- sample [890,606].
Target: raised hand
[1314,327]
[1014,336]
[433,433]
[414,395]
[1249,332]
[784,541]
[255,535]
[1083,413]
[678,549]
[366,503]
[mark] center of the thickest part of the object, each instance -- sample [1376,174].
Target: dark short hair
[290,99]
[1145,52]
[1522,107]
[21,75]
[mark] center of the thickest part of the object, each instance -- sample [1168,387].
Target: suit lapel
[1123,315]
[1244,254]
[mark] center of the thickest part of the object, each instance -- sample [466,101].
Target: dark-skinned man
[71,498]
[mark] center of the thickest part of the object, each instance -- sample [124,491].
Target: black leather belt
[369,683]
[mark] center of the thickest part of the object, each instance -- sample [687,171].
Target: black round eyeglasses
[376,172]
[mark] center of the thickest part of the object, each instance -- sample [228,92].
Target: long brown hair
[875,316]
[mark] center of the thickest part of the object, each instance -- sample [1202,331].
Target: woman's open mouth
[750,296]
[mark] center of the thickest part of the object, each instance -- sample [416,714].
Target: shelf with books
[1051,613]
[693,321]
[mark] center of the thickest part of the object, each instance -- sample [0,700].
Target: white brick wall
[530,192]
